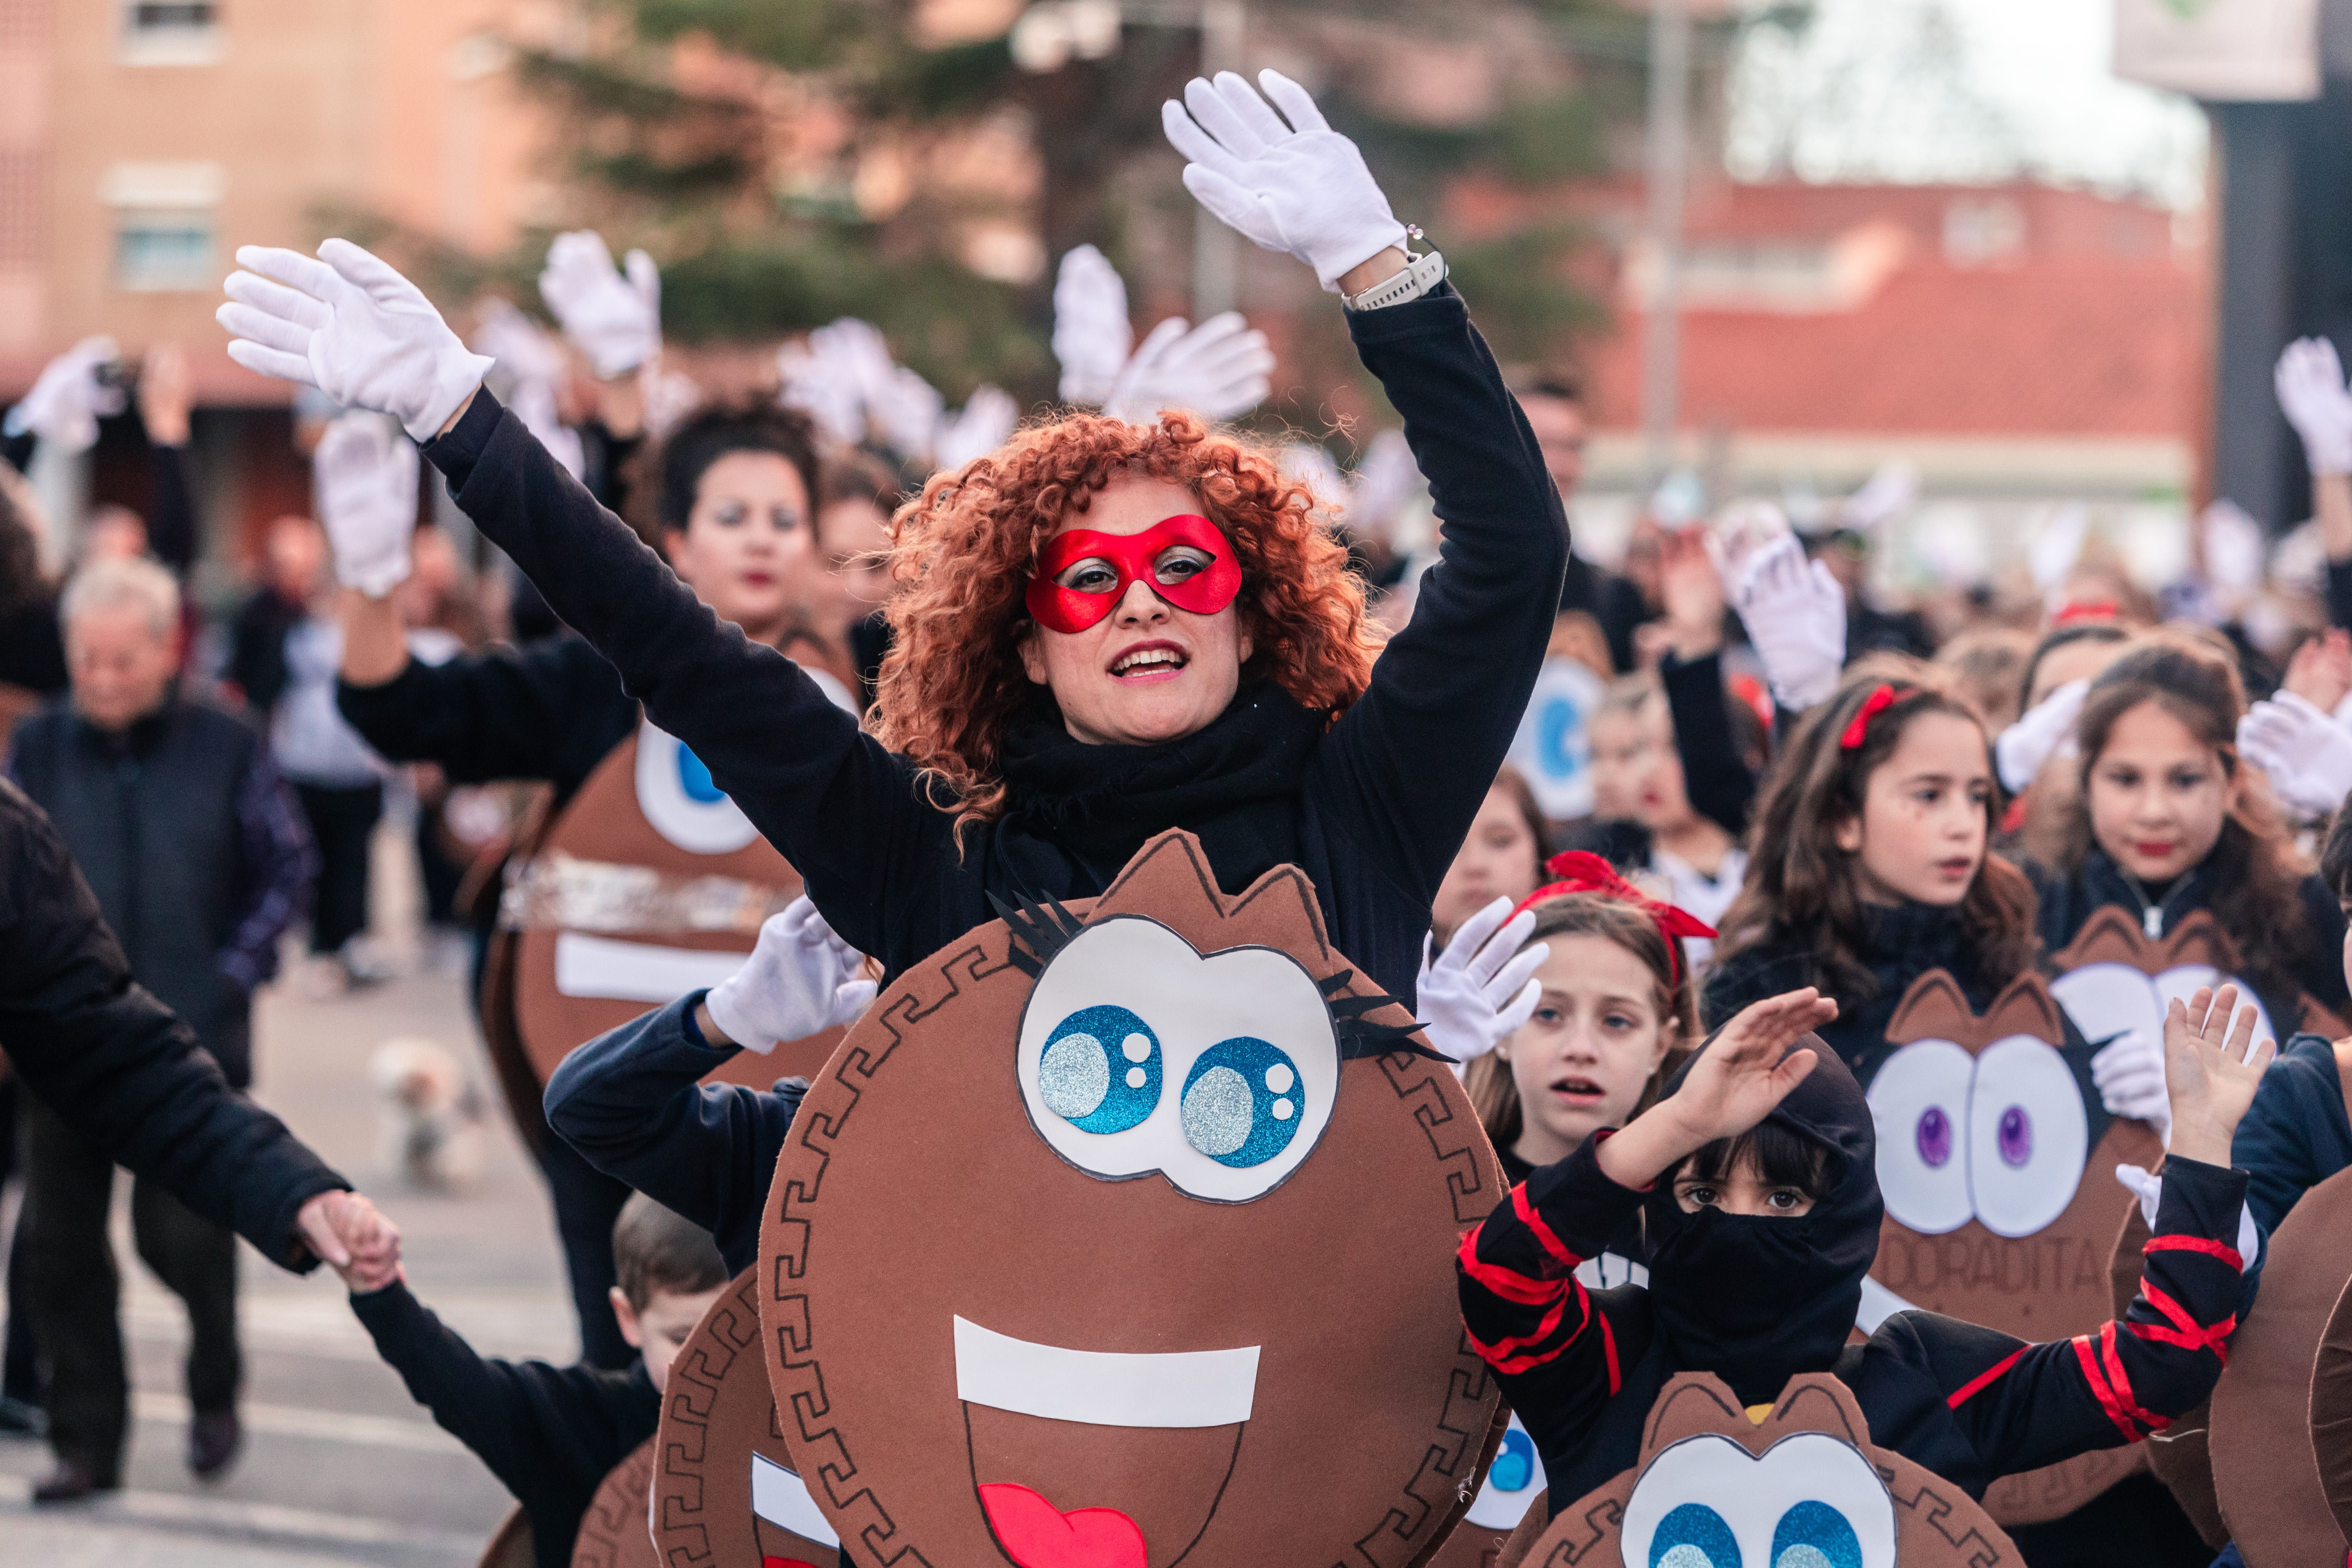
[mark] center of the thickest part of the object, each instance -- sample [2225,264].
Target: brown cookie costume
[614,1532]
[724,1491]
[1120,1241]
[1996,1162]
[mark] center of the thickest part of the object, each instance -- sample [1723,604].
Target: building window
[163,251]
[171,33]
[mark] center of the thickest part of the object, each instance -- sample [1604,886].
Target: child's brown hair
[659,1251]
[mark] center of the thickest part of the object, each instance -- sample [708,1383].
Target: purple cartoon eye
[1934,1137]
[2016,1136]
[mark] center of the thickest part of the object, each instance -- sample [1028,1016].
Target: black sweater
[2070,899]
[632,1102]
[1968,1402]
[551,1433]
[551,710]
[2295,1134]
[120,1067]
[1372,808]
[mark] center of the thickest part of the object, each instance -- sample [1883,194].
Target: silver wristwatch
[1421,274]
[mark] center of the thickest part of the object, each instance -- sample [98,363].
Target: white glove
[2128,1071]
[1477,993]
[1218,369]
[2307,755]
[531,367]
[1091,335]
[2149,1188]
[2020,750]
[353,327]
[905,412]
[2311,392]
[365,472]
[812,383]
[1300,188]
[1795,615]
[67,400]
[615,320]
[800,980]
[979,429]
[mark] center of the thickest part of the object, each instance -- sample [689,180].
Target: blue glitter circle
[1815,1535]
[1515,1463]
[694,778]
[1243,1103]
[1124,1104]
[1694,1535]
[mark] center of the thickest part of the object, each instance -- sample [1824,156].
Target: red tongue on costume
[1036,1534]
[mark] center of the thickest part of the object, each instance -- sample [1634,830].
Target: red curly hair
[963,552]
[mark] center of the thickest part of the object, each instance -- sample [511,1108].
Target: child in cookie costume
[1756,1183]
[1103,630]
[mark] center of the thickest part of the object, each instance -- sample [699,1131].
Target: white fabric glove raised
[978,428]
[2306,753]
[1218,369]
[2128,1071]
[801,979]
[1795,615]
[2020,750]
[615,319]
[67,400]
[1092,338]
[353,327]
[2149,1188]
[366,472]
[1300,188]
[906,411]
[1477,992]
[2312,394]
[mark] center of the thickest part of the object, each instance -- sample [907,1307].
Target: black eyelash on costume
[1359,1036]
[1040,930]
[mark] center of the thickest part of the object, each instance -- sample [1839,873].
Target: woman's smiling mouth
[1149,661]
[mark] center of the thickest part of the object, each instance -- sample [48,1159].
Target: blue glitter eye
[1242,1102]
[1694,1536]
[1815,1535]
[1100,1070]
[694,778]
[1515,1463]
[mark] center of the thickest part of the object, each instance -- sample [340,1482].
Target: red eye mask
[1133,556]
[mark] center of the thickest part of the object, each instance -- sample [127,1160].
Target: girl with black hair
[1756,1185]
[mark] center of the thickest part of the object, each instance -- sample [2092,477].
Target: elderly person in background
[200,860]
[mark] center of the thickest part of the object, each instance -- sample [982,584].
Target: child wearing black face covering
[1757,1185]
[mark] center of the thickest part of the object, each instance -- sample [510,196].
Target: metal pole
[1669,148]
[1217,249]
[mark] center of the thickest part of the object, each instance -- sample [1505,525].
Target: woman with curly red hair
[1104,630]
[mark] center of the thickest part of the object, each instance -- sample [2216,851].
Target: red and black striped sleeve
[1521,1302]
[2026,1405]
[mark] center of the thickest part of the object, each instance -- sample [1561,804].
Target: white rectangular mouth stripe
[1104,1388]
[635,971]
[782,1498]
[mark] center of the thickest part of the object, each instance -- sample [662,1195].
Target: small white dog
[428,1126]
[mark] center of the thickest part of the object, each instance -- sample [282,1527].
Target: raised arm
[843,810]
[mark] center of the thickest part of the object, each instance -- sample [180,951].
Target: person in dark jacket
[1756,1183]
[1554,404]
[200,861]
[1083,660]
[551,1433]
[116,1066]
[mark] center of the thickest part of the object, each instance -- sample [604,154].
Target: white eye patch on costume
[1513,1481]
[1138,1055]
[1809,1501]
[675,792]
[2000,1137]
[2107,1000]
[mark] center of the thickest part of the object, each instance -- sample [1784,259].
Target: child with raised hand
[551,1433]
[1755,1179]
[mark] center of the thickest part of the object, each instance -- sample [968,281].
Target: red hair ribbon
[1581,871]
[1877,702]
[2085,610]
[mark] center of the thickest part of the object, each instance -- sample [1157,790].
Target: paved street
[339,1467]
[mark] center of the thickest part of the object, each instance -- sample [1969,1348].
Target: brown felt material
[916,1190]
[2177,1456]
[1522,1541]
[613,1532]
[2050,1285]
[2265,1470]
[717,1412]
[605,823]
[1469,1545]
[1936,1524]
[509,1546]
[2331,1411]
